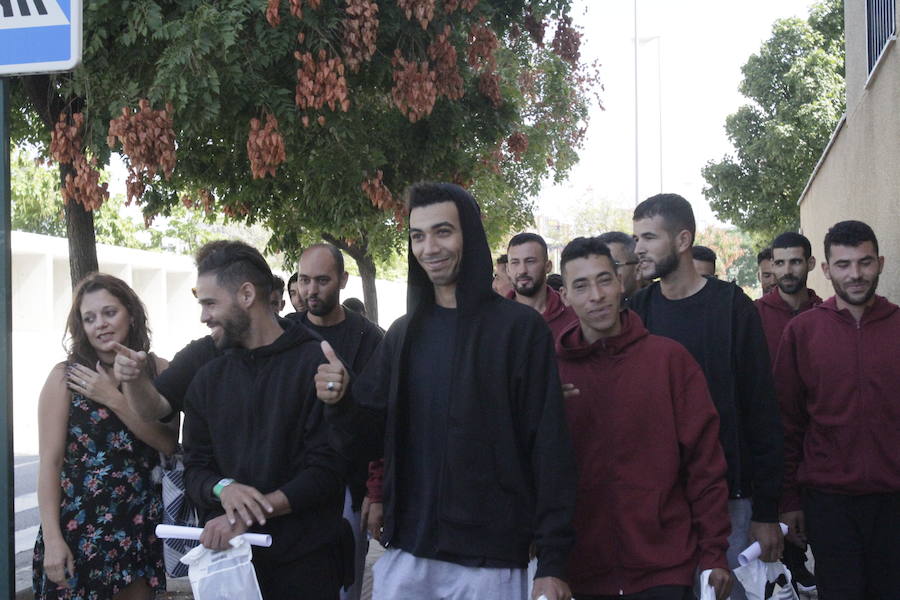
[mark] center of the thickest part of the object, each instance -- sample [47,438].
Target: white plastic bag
[766,581]
[707,592]
[223,574]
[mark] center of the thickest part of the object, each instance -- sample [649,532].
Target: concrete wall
[42,294]
[859,174]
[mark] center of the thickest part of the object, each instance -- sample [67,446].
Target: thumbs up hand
[332,378]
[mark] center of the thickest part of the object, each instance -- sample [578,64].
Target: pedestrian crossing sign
[39,36]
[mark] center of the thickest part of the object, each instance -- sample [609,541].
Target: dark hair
[277,284]
[526,237]
[356,305]
[674,209]
[792,239]
[79,348]
[764,254]
[335,254]
[235,263]
[427,193]
[555,281]
[293,279]
[582,247]
[849,233]
[618,237]
[704,254]
[503,259]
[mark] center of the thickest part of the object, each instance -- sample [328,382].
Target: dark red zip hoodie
[557,315]
[652,500]
[838,384]
[775,314]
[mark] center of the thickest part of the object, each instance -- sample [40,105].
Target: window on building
[881,22]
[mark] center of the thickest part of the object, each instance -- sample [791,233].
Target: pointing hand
[129,364]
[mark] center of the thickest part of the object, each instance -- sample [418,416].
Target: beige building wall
[858,176]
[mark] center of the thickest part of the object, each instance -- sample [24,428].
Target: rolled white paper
[753,551]
[193,533]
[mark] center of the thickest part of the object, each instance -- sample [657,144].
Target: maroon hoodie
[775,314]
[652,500]
[557,315]
[838,383]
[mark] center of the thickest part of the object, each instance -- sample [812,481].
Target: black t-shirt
[423,432]
[338,336]
[173,383]
[682,320]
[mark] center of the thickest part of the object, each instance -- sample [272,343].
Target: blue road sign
[39,36]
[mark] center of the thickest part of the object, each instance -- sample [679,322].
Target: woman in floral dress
[98,501]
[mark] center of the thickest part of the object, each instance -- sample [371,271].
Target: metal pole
[660,105]
[637,198]
[7,539]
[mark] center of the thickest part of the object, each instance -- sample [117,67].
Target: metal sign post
[7,517]
[36,36]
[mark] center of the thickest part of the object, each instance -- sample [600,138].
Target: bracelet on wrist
[221,485]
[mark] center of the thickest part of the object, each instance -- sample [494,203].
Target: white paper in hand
[223,574]
[707,592]
[766,581]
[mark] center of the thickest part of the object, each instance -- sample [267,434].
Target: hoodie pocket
[471,493]
[644,541]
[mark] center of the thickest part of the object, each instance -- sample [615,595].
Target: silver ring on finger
[330,386]
[83,383]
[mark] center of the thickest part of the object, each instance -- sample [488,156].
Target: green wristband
[223,483]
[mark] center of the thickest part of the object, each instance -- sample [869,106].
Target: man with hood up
[464,402]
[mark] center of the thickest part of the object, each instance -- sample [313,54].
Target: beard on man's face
[858,298]
[235,325]
[529,287]
[666,265]
[790,284]
[322,305]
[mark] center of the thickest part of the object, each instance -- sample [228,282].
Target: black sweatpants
[856,543]
[313,576]
[662,592]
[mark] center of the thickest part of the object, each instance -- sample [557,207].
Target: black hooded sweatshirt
[253,416]
[507,477]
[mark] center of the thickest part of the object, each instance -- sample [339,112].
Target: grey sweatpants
[399,575]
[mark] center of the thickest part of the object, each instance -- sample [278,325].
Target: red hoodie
[838,382]
[557,315]
[652,500]
[775,314]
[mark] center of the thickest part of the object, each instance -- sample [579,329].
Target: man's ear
[811,263]
[825,270]
[683,240]
[344,278]
[562,294]
[549,266]
[246,294]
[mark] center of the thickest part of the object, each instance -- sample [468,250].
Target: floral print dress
[109,508]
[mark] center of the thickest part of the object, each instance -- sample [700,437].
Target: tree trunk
[79,222]
[370,295]
[359,252]
[82,240]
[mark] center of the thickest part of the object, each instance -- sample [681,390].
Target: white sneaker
[807,593]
